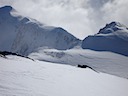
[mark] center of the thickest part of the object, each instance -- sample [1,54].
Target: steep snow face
[113,37]
[8,26]
[23,35]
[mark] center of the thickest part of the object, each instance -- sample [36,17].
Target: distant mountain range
[24,35]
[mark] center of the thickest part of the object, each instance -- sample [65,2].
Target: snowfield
[23,77]
[106,62]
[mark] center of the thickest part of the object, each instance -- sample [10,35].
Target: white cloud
[79,17]
[116,10]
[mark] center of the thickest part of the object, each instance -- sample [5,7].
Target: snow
[112,27]
[23,35]
[113,37]
[23,77]
[20,76]
[106,62]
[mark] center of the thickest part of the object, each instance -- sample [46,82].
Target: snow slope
[23,77]
[106,62]
[113,37]
[23,35]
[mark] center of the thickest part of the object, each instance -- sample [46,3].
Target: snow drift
[23,35]
[113,37]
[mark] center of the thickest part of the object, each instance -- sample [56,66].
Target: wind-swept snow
[107,62]
[24,77]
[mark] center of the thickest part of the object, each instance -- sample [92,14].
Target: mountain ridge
[113,37]
[22,35]
[112,27]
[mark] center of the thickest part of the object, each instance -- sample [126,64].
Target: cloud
[116,10]
[79,17]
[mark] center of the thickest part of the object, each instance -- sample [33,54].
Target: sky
[79,17]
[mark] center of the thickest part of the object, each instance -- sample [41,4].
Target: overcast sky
[79,17]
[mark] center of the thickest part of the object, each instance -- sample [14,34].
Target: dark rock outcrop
[4,53]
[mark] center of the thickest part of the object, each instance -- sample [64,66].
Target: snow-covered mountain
[23,76]
[23,35]
[113,37]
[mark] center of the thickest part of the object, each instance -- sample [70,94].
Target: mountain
[23,35]
[23,76]
[113,37]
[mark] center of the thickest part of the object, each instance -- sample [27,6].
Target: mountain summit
[23,35]
[113,37]
[112,27]
[6,9]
